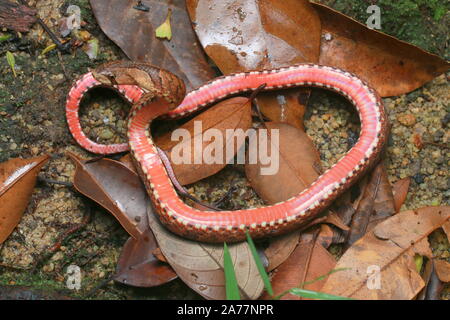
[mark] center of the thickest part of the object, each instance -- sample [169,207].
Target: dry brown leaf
[400,191]
[442,270]
[120,191]
[110,184]
[446,228]
[434,286]
[200,265]
[138,265]
[128,162]
[376,204]
[254,35]
[280,249]
[308,261]
[388,248]
[17,180]
[391,66]
[298,160]
[134,32]
[233,113]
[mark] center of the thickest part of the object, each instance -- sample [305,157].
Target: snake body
[154,92]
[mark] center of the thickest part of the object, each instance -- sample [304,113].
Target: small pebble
[407,120]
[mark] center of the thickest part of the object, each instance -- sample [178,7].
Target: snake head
[155,81]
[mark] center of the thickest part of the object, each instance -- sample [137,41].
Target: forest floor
[32,123]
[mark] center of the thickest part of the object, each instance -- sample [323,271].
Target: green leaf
[302,285]
[231,285]
[11,62]
[91,49]
[315,295]
[418,259]
[259,265]
[4,37]
[320,278]
[165,30]
[48,49]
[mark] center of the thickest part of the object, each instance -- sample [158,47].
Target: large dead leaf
[120,191]
[391,66]
[108,183]
[17,180]
[200,265]
[389,248]
[308,262]
[139,267]
[298,163]
[400,192]
[253,35]
[231,114]
[134,32]
[376,204]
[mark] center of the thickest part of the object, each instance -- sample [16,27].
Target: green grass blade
[320,278]
[11,62]
[259,265]
[302,285]
[231,285]
[315,295]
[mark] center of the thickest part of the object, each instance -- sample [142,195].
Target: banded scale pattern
[219,226]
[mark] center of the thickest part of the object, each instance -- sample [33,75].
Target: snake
[154,92]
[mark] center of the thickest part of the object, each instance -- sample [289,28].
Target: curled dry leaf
[136,37]
[200,265]
[231,114]
[376,204]
[434,286]
[254,35]
[400,191]
[17,180]
[139,266]
[298,159]
[120,191]
[391,66]
[390,250]
[110,184]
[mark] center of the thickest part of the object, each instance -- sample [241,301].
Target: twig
[256,107]
[61,63]
[61,47]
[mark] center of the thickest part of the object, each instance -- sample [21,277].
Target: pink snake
[230,226]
